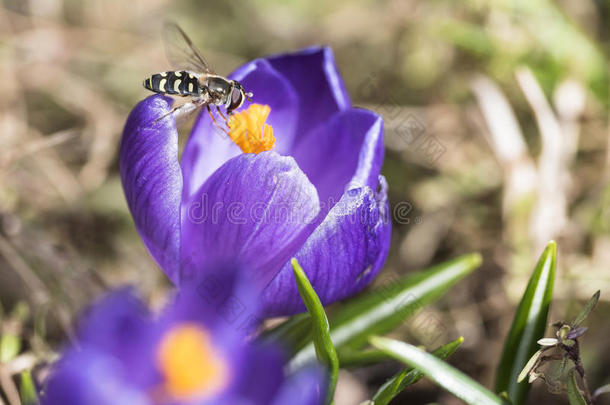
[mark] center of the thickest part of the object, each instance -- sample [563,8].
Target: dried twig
[550,213]
[9,387]
[507,142]
[27,274]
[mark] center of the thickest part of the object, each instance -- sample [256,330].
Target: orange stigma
[249,130]
[190,364]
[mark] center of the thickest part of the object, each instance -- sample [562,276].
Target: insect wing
[181,52]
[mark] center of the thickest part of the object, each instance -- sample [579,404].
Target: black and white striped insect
[195,79]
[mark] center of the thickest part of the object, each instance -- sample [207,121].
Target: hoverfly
[194,79]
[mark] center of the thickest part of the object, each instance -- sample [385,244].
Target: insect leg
[222,115]
[181,112]
[214,120]
[167,114]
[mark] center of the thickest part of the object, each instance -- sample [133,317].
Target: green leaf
[574,395]
[443,374]
[529,366]
[10,345]
[528,326]
[586,310]
[409,376]
[349,358]
[325,351]
[27,389]
[381,310]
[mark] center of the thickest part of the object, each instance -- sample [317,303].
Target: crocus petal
[226,305]
[313,74]
[257,209]
[209,147]
[342,153]
[341,256]
[261,376]
[307,387]
[117,318]
[152,180]
[220,298]
[89,377]
[101,370]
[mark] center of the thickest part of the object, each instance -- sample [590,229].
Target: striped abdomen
[179,83]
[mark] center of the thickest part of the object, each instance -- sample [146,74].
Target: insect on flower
[315,192]
[194,79]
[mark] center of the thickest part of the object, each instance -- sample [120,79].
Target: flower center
[249,131]
[191,365]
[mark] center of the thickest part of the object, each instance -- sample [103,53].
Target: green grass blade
[528,326]
[381,310]
[529,365]
[443,374]
[586,310]
[349,358]
[325,350]
[10,345]
[409,376]
[27,389]
[574,395]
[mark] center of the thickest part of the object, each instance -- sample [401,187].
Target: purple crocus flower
[317,195]
[195,352]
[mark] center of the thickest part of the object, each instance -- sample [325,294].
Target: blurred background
[497,135]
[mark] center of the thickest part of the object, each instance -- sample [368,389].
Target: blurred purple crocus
[317,195]
[194,352]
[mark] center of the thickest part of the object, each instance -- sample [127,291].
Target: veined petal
[342,153]
[255,209]
[209,147]
[341,256]
[313,74]
[152,180]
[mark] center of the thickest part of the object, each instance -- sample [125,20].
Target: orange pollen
[249,131]
[190,364]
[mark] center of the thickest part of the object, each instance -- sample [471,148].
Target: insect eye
[237,99]
[236,96]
